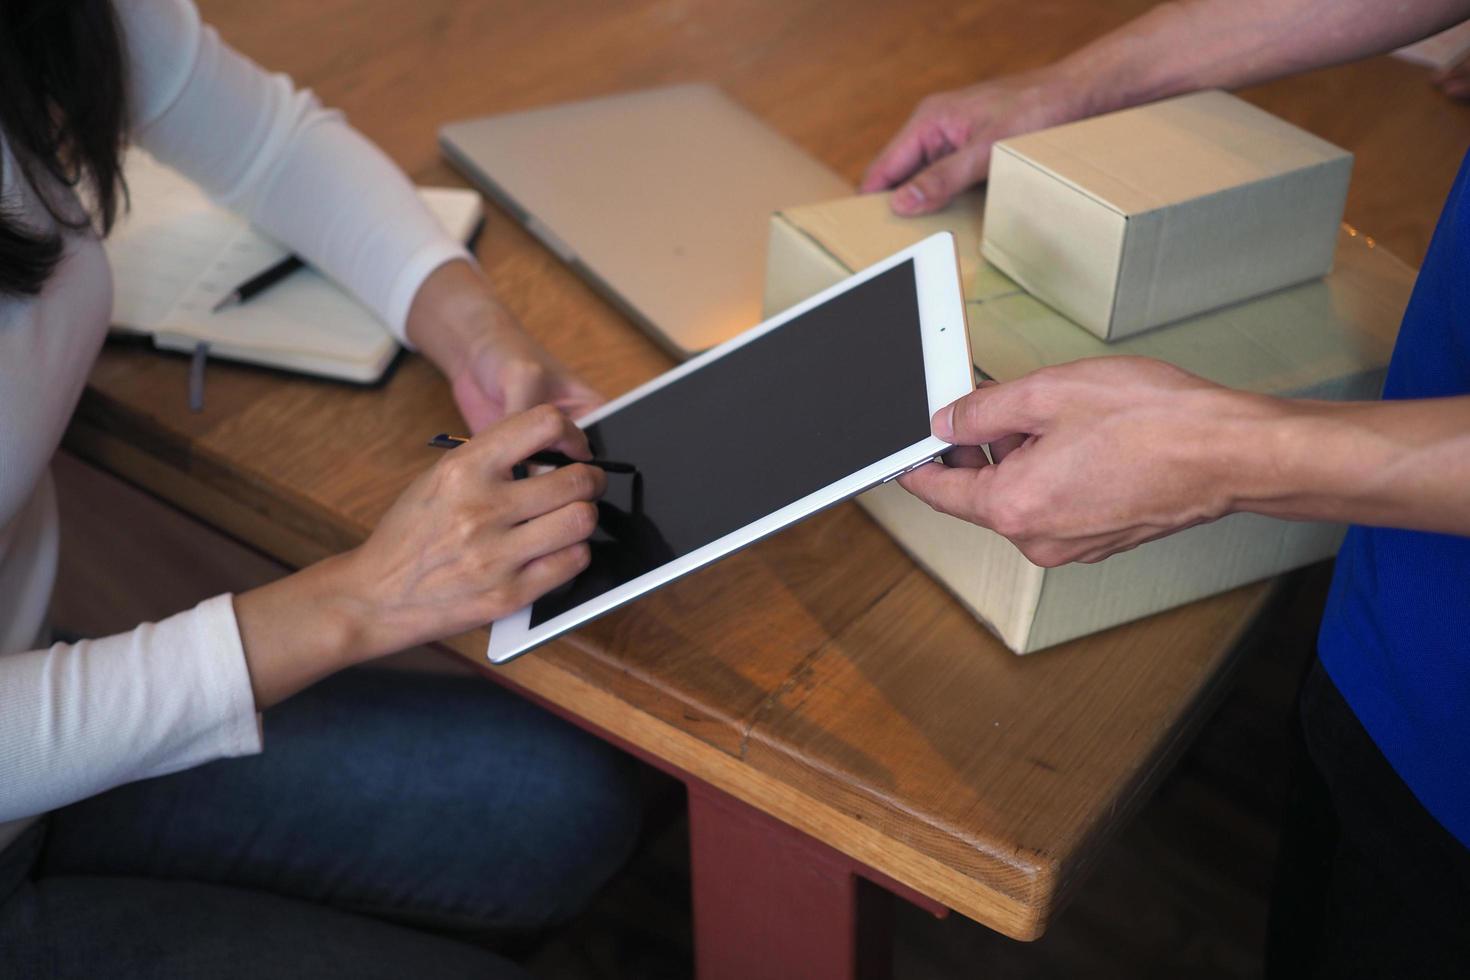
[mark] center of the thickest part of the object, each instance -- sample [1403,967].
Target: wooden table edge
[690,755]
[1046,881]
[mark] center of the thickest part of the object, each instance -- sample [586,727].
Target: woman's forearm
[455,314]
[492,365]
[302,628]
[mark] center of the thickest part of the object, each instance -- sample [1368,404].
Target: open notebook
[176,254]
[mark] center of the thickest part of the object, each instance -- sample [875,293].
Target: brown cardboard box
[1142,217]
[1329,338]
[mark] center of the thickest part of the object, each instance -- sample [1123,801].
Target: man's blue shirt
[1396,635]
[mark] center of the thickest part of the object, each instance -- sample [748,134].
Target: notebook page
[305,314]
[176,248]
[177,254]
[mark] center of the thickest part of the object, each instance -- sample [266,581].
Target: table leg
[773,902]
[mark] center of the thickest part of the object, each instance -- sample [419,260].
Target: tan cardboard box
[1142,217]
[1330,338]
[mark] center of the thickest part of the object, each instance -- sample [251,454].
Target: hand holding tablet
[799,413]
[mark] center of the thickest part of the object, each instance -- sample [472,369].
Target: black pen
[258,284]
[546,457]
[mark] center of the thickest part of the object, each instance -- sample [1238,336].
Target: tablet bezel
[947,374]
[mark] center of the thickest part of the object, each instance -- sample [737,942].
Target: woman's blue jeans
[396,825]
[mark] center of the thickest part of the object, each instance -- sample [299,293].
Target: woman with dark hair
[141,832]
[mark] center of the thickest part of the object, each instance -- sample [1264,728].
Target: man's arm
[1100,455]
[1174,48]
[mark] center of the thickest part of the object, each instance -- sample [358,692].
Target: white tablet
[812,407]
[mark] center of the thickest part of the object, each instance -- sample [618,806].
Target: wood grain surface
[818,676]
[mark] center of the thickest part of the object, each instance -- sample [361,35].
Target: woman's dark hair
[63,112]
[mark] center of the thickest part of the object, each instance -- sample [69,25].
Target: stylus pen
[259,284]
[546,457]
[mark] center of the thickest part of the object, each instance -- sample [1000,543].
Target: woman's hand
[944,148]
[467,543]
[464,545]
[494,369]
[503,372]
[1094,457]
[1454,81]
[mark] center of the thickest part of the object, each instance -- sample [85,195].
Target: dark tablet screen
[813,401]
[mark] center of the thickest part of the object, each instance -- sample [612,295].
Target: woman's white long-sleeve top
[78,719]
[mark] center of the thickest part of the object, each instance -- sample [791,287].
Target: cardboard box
[1142,217]
[1330,338]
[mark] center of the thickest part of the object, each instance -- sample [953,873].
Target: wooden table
[837,717]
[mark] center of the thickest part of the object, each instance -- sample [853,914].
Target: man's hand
[1092,457]
[494,369]
[944,148]
[1172,49]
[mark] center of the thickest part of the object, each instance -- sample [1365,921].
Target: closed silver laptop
[661,199]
